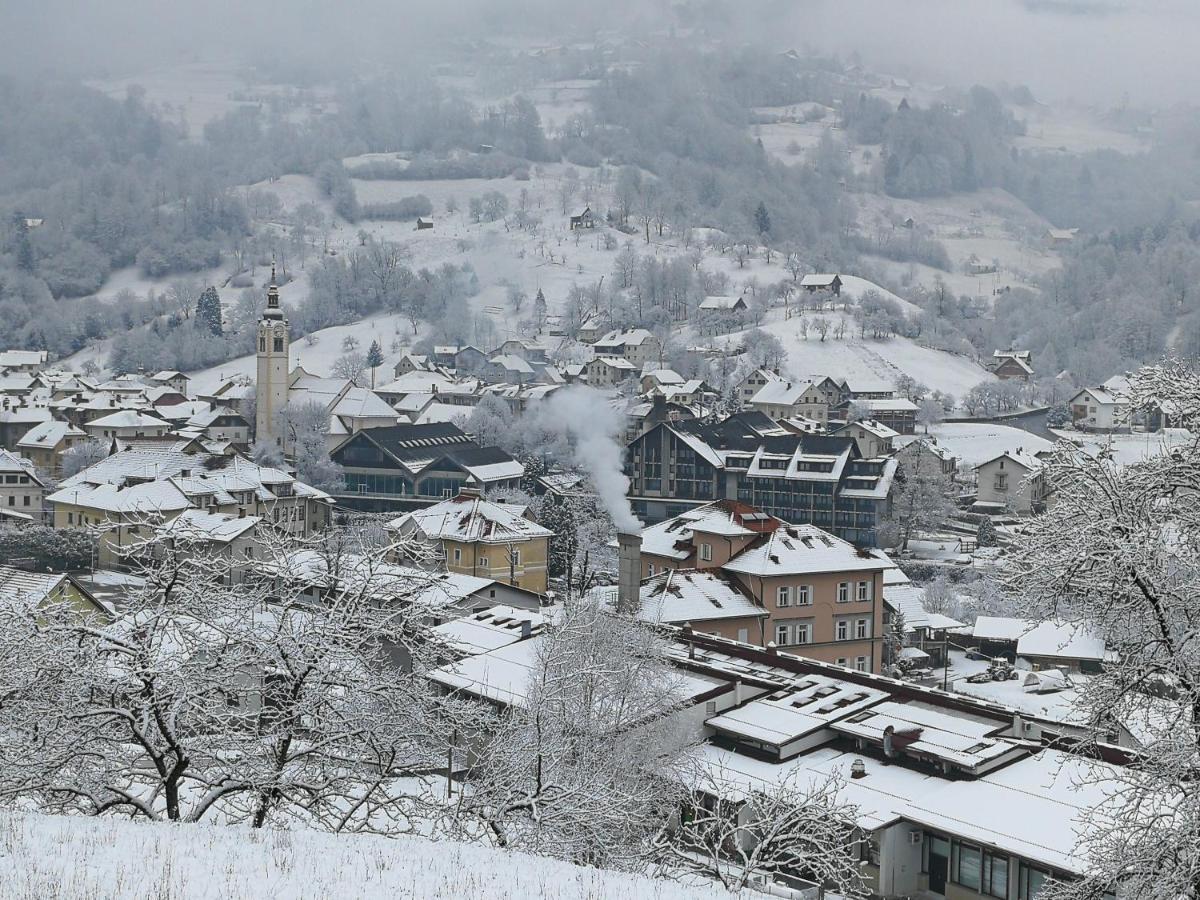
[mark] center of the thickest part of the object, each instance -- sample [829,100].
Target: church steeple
[271,389]
[273,311]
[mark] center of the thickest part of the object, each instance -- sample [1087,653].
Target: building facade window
[804,595]
[793,631]
[866,590]
[862,628]
[843,630]
[862,664]
[706,552]
[783,595]
[843,592]
[483,563]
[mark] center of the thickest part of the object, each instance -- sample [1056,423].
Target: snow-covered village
[662,449]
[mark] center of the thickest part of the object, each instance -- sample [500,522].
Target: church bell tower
[271,389]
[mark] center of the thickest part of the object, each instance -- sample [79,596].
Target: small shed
[822,282]
[583,219]
[424,223]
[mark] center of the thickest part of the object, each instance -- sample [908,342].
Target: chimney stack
[629,571]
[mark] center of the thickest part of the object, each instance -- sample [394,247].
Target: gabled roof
[726,518]
[49,434]
[782,393]
[197,525]
[805,549]
[129,418]
[36,587]
[473,520]
[818,280]
[722,303]
[680,596]
[633,338]
[11,464]
[1026,460]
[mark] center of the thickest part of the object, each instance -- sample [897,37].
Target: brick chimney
[629,571]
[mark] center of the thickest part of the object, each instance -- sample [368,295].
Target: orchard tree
[794,826]
[922,498]
[350,366]
[271,699]
[586,763]
[305,427]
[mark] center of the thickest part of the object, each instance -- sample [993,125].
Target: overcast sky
[1146,49]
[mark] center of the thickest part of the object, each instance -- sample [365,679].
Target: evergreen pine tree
[208,311]
[374,359]
[986,535]
[762,219]
[539,309]
[21,246]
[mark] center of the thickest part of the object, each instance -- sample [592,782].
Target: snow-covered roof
[615,362]
[687,595]
[781,393]
[11,464]
[1068,640]
[724,518]
[1021,457]
[804,549]
[360,403]
[722,303]
[473,520]
[888,404]
[197,525]
[959,738]
[490,629]
[13,358]
[416,381]
[1000,628]
[128,418]
[909,600]
[505,675]
[635,337]
[662,376]
[878,429]
[148,498]
[878,798]
[791,713]
[1036,808]
[512,363]
[818,280]
[49,434]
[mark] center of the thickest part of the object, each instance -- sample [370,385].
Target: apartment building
[799,478]
[729,569]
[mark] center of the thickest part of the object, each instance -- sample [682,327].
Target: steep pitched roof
[473,520]
[805,549]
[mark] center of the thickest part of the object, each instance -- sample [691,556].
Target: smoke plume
[593,426]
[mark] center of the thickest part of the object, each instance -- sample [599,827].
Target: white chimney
[629,571]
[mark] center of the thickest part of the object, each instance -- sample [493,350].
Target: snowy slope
[1126,449]
[977,442]
[884,360]
[52,856]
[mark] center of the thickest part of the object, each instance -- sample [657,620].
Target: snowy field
[990,225]
[977,442]
[878,360]
[1129,448]
[52,856]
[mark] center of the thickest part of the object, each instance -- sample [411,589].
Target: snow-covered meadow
[56,856]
